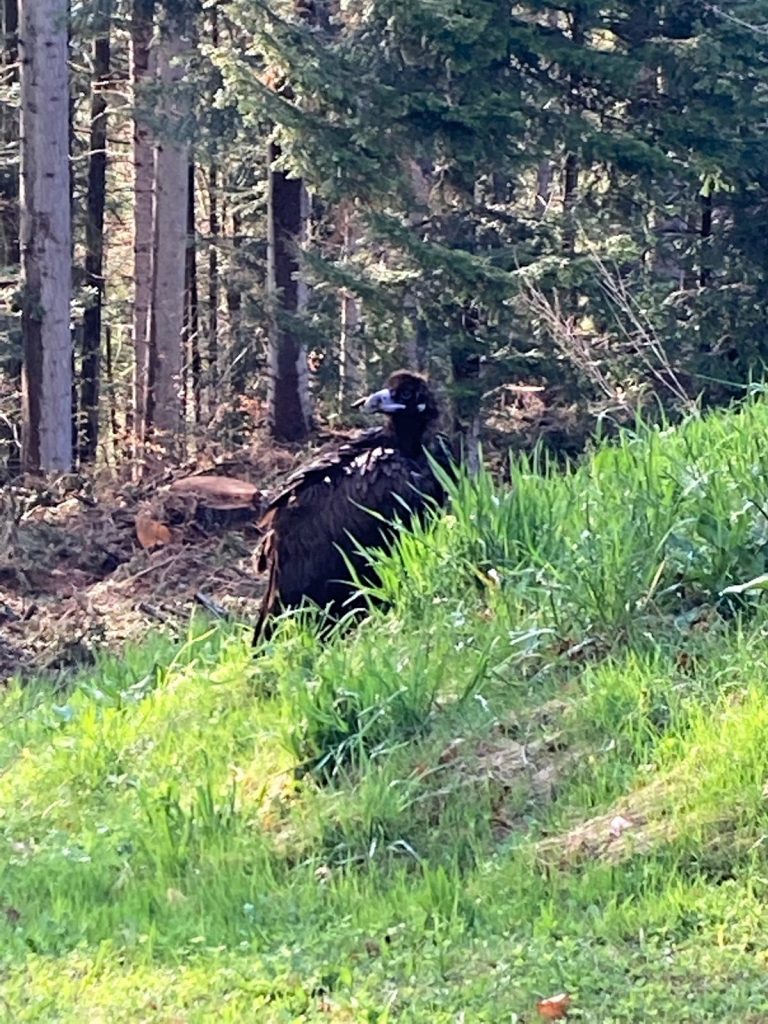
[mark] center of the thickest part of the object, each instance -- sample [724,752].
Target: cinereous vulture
[353,492]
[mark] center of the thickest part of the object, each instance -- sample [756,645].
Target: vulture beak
[379,401]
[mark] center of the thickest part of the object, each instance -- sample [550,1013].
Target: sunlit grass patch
[541,768]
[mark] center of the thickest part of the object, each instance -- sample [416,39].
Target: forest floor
[75,577]
[535,788]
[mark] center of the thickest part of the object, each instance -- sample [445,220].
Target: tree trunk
[213,278]
[164,414]
[570,191]
[214,230]
[9,224]
[351,360]
[192,316]
[416,341]
[46,234]
[90,377]
[110,377]
[236,361]
[288,395]
[142,74]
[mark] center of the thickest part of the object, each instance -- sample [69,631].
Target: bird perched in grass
[351,496]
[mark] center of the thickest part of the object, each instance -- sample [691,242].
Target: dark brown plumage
[324,504]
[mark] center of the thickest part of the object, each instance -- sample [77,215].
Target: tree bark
[90,377]
[9,224]
[416,341]
[45,235]
[110,377]
[164,414]
[192,316]
[236,358]
[288,392]
[214,231]
[142,73]
[570,192]
[351,361]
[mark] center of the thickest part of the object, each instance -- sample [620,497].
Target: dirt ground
[88,561]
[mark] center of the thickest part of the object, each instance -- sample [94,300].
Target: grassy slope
[600,827]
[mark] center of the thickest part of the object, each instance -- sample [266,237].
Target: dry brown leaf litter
[89,563]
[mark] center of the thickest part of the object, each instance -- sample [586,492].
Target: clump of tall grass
[646,531]
[657,521]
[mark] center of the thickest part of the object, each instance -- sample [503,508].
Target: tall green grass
[415,820]
[656,521]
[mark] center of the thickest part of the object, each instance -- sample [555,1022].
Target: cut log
[214,502]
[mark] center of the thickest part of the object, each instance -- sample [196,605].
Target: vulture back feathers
[353,493]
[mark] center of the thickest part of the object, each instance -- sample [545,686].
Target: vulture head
[409,404]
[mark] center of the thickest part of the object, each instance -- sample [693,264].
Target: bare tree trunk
[90,382]
[214,231]
[110,378]
[288,395]
[351,361]
[9,224]
[142,73]
[570,191]
[236,358]
[164,414]
[46,234]
[192,315]
[468,365]
[416,342]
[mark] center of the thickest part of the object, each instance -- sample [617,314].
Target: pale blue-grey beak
[380,401]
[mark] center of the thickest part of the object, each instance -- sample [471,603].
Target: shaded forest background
[275,204]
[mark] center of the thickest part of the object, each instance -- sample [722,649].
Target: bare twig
[761,30]
[153,612]
[640,332]
[601,357]
[217,610]
[148,569]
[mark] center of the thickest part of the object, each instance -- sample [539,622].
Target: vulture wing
[324,505]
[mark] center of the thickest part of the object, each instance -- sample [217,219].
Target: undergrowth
[542,769]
